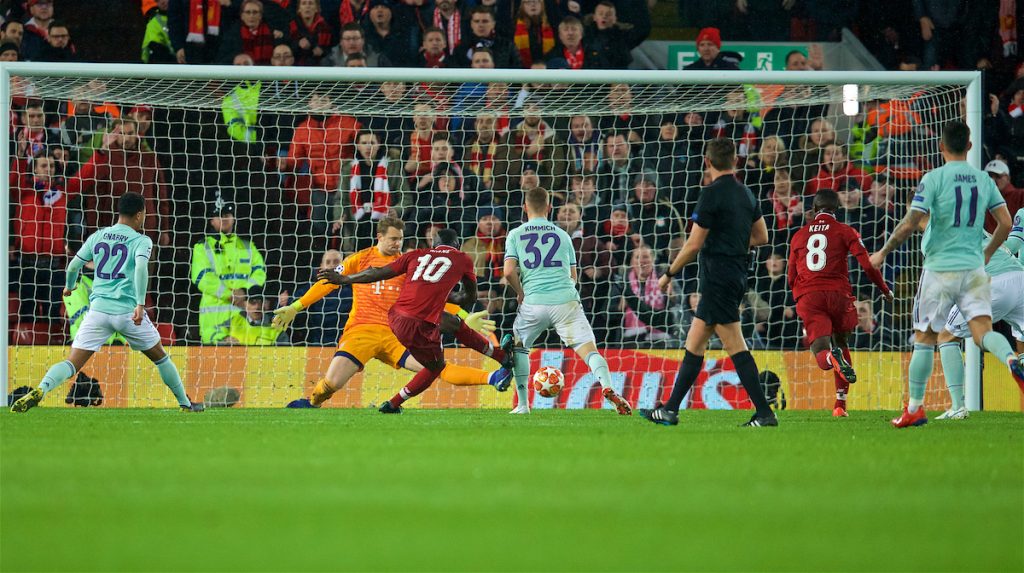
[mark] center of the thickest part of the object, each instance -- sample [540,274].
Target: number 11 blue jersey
[546,256]
[116,251]
[955,197]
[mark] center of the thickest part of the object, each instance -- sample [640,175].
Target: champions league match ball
[548,381]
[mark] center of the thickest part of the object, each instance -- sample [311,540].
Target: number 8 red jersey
[430,276]
[818,254]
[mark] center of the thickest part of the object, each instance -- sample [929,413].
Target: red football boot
[918,418]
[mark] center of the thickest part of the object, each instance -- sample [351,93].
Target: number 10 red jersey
[818,255]
[430,276]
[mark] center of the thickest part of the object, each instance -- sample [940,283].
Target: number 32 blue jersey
[116,251]
[955,197]
[546,257]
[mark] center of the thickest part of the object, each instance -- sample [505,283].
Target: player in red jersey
[819,278]
[431,274]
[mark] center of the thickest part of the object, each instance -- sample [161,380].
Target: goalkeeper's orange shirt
[370,301]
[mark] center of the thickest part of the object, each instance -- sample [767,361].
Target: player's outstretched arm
[1003,223]
[686,255]
[908,226]
[370,275]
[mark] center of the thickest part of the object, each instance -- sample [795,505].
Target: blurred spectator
[309,33]
[938,19]
[369,183]
[883,193]
[781,330]
[156,40]
[83,128]
[618,235]
[710,55]
[584,145]
[38,225]
[646,310]
[386,36]
[486,248]
[483,34]
[433,50]
[593,263]
[353,41]
[444,202]
[584,193]
[420,142]
[441,151]
[196,28]
[533,141]
[118,167]
[533,36]
[622,118]
[223,266]
[320,145]
[9,53]
[447,18]
[835,171]
[12,32]
[678,172]
[36,28]
[253,325]
[791,121]
[574,48]
[251,35]
[761,167]
[617,168]
[871,333]
[352,11]
[482,148]
[357,60]
[807,158]
[787,209]
[31,139]
[323,319]
[1000,174]
[739,123]
[655,219]
[58,47]
[865,218]
[613,40]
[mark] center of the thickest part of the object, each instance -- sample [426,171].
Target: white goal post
[173,86]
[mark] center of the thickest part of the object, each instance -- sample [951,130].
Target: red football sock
[420,382]
[823,360]
[473,339]
[842,386]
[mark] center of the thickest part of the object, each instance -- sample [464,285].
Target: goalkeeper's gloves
[479,322]
[284,316]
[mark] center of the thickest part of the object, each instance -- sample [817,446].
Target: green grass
[256,490]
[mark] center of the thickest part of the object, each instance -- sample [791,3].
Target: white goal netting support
[255,177]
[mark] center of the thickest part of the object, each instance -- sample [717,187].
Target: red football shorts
[419,337]
[825,313]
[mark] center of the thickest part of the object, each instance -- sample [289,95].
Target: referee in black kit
[726,224]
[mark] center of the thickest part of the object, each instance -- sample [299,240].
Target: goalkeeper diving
[367,335]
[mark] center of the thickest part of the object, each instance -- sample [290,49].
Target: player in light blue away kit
[950,203]
[1007,304]
[1015,242]
[540,266]
[116,304]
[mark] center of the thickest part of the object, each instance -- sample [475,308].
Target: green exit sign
[755,56]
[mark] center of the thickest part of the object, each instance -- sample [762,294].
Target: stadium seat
[167,335]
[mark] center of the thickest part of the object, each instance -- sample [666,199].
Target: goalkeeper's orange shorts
[364,343]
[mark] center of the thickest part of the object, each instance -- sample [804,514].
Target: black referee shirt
[728,210]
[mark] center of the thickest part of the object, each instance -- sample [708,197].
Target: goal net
[254,182]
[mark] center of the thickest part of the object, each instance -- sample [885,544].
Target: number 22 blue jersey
[546,256]
[116,251]
[955,197]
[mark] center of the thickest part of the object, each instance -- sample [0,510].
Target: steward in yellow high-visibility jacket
[240,108]
[222,264]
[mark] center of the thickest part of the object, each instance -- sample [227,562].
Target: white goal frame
[971,80]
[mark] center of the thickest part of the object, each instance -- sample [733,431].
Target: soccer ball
[548,381]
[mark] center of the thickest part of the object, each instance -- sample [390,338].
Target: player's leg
[170,377]
[953,364]
[574,329]
[936,296]
[458,375]
[466,336]
[341,369]
[840,353]
[424,343]
[531,321]
[977,303]
[743,361]
[693,361]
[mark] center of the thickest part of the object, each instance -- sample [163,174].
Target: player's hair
[826,200]
[721,152]
[389,222]
[537,199]
[131,204]
[446,237]
[955,136]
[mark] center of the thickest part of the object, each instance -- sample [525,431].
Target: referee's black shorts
[723,284]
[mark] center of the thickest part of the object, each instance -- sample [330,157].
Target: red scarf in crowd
[318,33]
[365,188]
[782,210]
[203,20]
[615,230]
[495,256]
[525,32]
[481,161]
[575,58]
[453,30]
[435,61]
[258,44]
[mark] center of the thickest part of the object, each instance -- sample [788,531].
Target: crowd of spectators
[244,205]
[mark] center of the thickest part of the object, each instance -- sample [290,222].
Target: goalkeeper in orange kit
[368,336]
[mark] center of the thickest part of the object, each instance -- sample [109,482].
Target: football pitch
[479,490]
